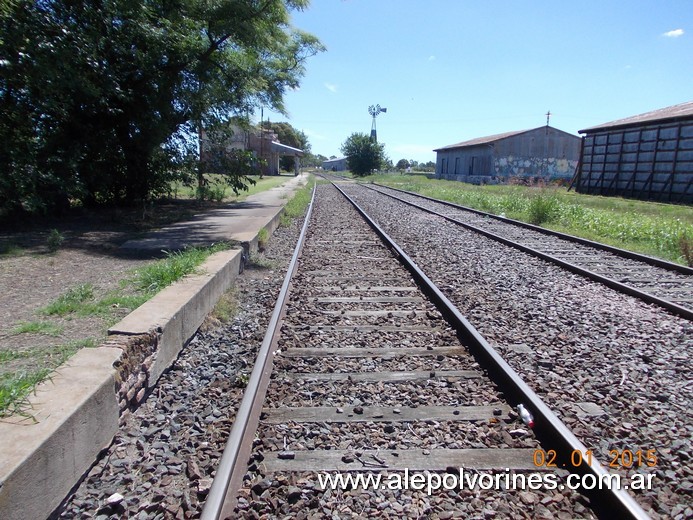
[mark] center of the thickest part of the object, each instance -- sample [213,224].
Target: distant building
[543,152]
[263,143]
[335,165]
[648,156]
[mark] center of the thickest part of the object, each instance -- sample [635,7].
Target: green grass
[39,363]
[219,191]
[37,327]
[10,249]
[72,301]
[297,205]
[145,283]
[646,227]
[154,277]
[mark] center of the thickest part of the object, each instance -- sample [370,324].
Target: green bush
[543,207]
[55,240]
[214,192]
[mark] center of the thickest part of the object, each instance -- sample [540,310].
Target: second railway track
[370,378]
[653,280]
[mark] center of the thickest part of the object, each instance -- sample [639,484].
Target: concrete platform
[237,222]
[75,414]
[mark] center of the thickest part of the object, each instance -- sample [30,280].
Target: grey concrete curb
[75,414]
[177,312]
[76,417]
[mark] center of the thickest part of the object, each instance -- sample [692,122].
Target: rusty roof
[496,137]
[482,140]
[682,110]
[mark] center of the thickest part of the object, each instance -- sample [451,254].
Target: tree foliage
[101,101]
[402,164]
[363,154]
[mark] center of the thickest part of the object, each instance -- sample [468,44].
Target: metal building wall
[544,142]
[470,164]
[543,152]
[648,162]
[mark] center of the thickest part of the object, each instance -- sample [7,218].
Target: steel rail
[229,476]
[657,262]
[548,427]
[672,307]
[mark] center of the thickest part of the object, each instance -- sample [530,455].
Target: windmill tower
[374,110]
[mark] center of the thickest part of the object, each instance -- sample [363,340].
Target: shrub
[543,207]
[55,240]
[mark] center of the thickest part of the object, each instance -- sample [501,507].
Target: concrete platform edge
[40,462]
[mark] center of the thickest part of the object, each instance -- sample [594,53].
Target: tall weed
[543,208]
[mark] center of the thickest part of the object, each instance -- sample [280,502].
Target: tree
[402,164]
[102,101]
[363,154]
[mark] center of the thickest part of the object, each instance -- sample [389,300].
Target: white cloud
[431,58]
[331,87]
[673,34]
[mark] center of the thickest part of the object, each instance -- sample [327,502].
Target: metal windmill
[374,110]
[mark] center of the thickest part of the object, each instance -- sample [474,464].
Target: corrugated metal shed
[545,152]
[481,140]
[338,164]
[648,156]
[672,113]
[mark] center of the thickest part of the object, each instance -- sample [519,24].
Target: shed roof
[481,140]
[489,139]
[680,111]
[337,159]
[286,149]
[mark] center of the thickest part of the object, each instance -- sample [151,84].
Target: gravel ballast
[577,343]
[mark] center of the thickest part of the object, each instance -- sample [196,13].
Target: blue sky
[452,70]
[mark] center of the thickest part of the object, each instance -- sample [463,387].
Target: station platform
[75,414]
[236,222]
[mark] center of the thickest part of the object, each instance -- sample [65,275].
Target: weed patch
[297,205]
[543,207]
[226,307]
[72,301]
[17,386]
[37,327]
[54,241]
[662,230]
[176,265]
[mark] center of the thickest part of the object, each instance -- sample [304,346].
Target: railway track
[371,377]
[589,351]
[653,280]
